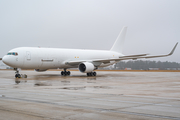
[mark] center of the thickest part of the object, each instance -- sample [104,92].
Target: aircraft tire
[68,72]
[19,76]
[94,73]
[62,73]
[16,76]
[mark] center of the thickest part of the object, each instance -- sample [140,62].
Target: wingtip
[176,44]
[173,49]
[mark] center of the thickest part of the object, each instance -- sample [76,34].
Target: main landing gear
[91,74]
[64,73]
[17,75]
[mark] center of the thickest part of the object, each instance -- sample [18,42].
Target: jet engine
[40,70]
[86,67]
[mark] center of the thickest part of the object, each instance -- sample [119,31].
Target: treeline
[146,65]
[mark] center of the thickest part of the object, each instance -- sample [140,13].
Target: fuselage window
[13,53]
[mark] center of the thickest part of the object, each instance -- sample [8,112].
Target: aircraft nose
[6,60]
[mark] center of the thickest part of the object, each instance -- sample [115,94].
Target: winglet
[164,55]
[173,49]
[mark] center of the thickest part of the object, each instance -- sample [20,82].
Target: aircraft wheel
[16,76]
[91,74]
[94,73]
[62,73]
[68,72]
[19,76]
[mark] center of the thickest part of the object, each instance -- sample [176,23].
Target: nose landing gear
[17,75]
[64,73]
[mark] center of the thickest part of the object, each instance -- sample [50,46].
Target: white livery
[42,59]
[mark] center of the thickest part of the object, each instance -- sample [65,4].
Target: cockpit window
[13,53]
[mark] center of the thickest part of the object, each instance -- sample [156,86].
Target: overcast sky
[153,25]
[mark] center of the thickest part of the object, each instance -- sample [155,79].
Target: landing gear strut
[64,73]
[91,74]
[17,75]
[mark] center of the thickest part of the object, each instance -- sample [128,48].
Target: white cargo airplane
[42,59]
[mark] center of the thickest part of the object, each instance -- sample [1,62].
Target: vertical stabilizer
[119,43]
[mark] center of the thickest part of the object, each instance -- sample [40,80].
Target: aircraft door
[28,55]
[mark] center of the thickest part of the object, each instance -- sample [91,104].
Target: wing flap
[135,55]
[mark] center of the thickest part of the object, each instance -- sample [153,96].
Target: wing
[128,57]
[100,60]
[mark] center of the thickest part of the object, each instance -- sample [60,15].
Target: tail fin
[119,43]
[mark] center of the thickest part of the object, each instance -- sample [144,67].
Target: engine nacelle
[86,67]
[40,70]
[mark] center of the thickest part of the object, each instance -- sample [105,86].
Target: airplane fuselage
[53,58]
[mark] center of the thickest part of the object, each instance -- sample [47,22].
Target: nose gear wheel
[17,75]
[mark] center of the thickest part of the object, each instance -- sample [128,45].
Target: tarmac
[111,95]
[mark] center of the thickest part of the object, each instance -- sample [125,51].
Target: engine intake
[86,67]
